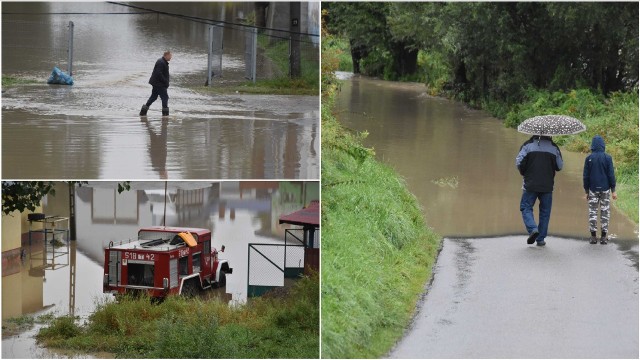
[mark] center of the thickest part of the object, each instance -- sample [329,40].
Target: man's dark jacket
[538,160]
[598,174]
[160,75]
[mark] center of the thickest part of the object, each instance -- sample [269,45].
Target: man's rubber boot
[165,111]
[143,111]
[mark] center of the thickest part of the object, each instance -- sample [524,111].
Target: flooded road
[238,213]
[493,296]
[91,129]
[460,163]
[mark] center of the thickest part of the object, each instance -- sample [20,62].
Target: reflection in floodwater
[238,213]
[91,130]
[429,139]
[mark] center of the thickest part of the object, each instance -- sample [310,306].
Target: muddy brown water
[238,213]
[428,139]
[91,130]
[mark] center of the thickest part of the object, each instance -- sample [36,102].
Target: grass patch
[8,80]
[267,327]
[279,86]
[377,246]
[277,51]
[614,118]
[20,324]
[17,325]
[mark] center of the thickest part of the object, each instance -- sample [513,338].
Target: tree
[372,43]
[26,195]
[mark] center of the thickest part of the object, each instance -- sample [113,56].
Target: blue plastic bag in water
[59,77]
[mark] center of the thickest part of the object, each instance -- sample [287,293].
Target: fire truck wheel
[223,279]
[190,288]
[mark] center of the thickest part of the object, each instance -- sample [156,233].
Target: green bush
[194,328]
[61,328]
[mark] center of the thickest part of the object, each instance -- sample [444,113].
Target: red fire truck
[164,261]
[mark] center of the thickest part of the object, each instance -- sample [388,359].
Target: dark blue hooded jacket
[598,172]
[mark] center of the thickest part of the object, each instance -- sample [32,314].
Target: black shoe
[143,111]
[541,243]
[165,111]
[603,240]
[593,240]
[532,237]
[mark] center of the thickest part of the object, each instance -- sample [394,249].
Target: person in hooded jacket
[599,181]
[160,82]
[538,160]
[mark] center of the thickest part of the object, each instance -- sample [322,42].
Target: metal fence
[216,46]
[273,56]
[249,52]
[57,50]
[269,264]
[268,56]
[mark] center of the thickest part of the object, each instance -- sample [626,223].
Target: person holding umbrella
[538,161]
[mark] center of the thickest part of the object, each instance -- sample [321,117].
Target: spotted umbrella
[551,125]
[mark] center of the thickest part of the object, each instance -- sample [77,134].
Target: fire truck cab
[164,261]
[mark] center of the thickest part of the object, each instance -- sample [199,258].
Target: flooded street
[493,296]
[237,213]
[460,163]
[91,130]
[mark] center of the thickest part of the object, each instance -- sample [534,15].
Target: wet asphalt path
[501,298]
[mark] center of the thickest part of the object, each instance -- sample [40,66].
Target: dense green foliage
[496,50]
[268,327]
[377,251]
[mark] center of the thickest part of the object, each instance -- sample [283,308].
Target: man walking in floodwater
[599,180]
[160,82]
[538,160]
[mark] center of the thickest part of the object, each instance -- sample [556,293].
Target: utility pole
[72,211]
[294,36]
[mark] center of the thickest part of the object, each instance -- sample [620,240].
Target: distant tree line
[495,50]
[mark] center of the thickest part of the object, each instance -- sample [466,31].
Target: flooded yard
[237,213]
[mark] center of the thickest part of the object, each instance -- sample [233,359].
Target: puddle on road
[238,213]
[91,130]
[428,139]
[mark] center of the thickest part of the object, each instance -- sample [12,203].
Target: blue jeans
[159,91]
[526,207]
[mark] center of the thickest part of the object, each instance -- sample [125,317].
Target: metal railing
[268,266]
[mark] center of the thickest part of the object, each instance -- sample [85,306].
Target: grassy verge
[377,252]
[614,118]
[279,86]
[268,327]
[8,80]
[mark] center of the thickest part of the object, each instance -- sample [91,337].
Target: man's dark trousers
[159,91]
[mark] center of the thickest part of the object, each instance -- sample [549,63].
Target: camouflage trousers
[599,199]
